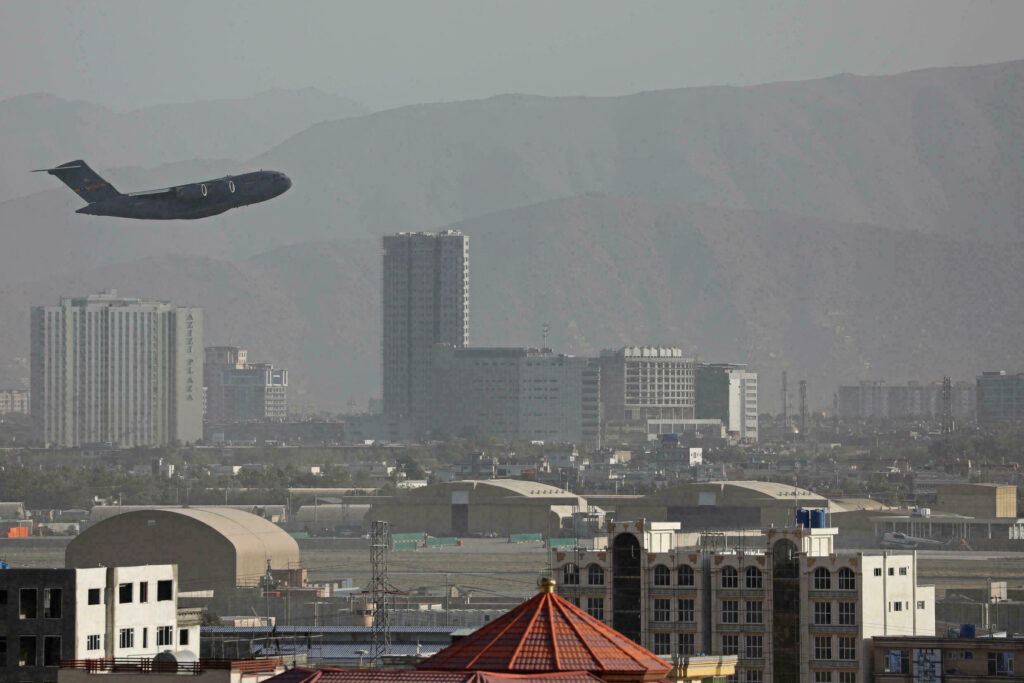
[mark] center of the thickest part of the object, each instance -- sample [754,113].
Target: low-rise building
[792,609]
[954,660]
[49,615]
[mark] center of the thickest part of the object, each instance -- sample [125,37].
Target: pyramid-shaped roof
[547,633]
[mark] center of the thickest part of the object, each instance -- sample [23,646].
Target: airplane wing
[168,190]
[146,193]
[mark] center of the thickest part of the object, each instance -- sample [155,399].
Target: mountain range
[842,229]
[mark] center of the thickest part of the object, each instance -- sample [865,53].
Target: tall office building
[425,302]
[517,393]
[107,369]
[643,387]
[1000,397]
[728,392]
[240,391]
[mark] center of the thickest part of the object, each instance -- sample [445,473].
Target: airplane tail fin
[86,183]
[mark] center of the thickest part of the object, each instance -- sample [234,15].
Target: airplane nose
[286,183]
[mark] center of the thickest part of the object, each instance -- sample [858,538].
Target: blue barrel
[967,630]
[803,518]
[817,519]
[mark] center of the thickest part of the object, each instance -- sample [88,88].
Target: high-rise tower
[425,302]
[106,369]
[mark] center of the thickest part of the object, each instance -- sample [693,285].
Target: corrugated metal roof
[300,675]
[547,634]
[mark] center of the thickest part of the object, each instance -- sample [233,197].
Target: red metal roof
[384,676]
[547,634]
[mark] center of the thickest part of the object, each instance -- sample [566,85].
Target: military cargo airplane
[193,200]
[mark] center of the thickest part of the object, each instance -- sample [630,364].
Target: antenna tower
[785,404]
[544,329]
[380,587]
[803,409]
[947,405]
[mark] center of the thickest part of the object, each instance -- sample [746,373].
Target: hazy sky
[129,53]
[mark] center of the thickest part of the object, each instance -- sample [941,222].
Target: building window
[126,638]
[27,651]
[878,571]
[822,579]
[822,677]
[662,576]
[847,579]
[27,603]
[847,647]
[892,571]
[662,643]
[3,596]
[753,676]
[686,575]
[897,661]
[143,591]
[754,579]
[823,647]
[570,575]
[52,603]
[145,636]
[595,575]
[94,596]
[3,651]
[183,637]
[1000,663]
[124,593]
[51,651]
[662,609]
[847,614]
[92,642]
[920,604]
[755,647]
[687,644]
[730,578]
[754,612]
[686,614]
[822,613]
[847,677]
[730,644]
[903,571]
[595,608]
[730,611]
[896,606]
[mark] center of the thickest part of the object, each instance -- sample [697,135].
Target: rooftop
[548,634]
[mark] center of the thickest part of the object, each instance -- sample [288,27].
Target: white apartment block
[127,372]
[728,392]
[47,615]
[793,610]
[425,302]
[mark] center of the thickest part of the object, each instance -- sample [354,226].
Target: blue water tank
[967,630]
[817,519]
[803,518]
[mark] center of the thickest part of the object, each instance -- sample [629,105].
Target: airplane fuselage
[194,200]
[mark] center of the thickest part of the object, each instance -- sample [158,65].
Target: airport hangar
[500,506]
[214,548]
